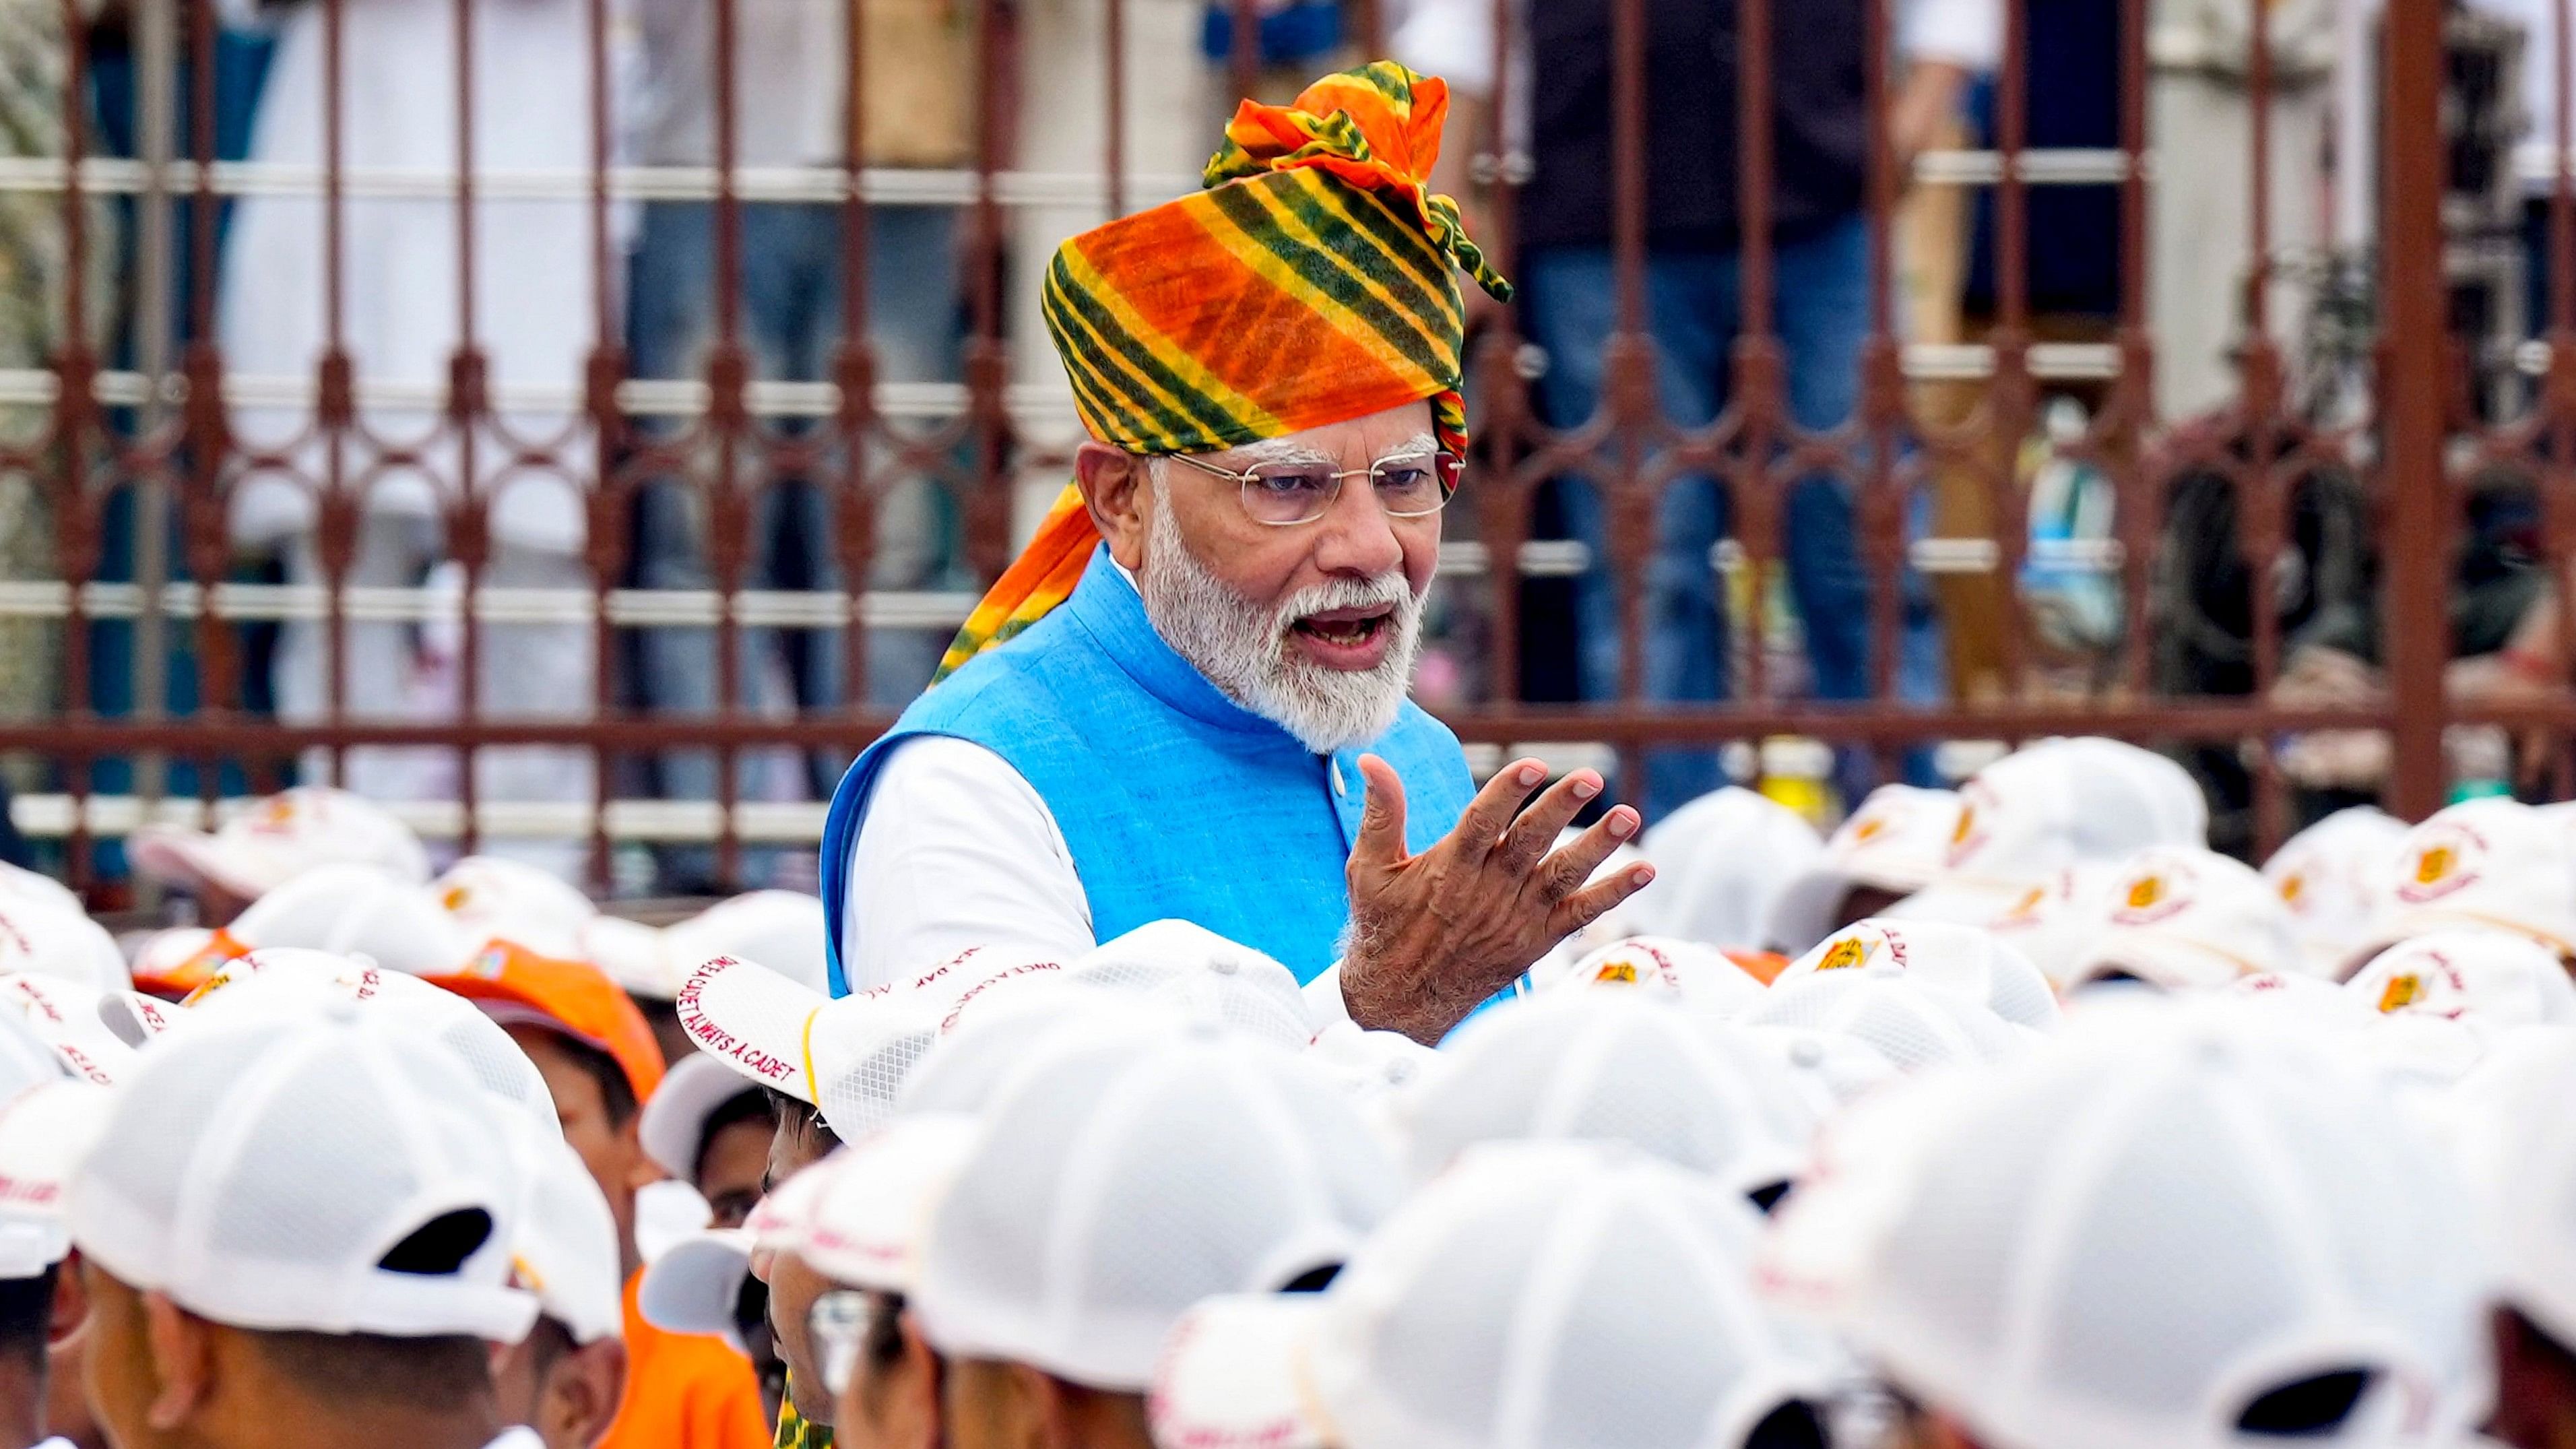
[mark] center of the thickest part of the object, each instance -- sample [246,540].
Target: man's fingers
[1535,832]
[1380,843]
[1487,816]
[1564,872]
[1595,900]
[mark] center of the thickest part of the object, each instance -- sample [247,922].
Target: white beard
[1242,647]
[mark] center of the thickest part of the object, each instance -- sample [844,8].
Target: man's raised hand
[1434,934]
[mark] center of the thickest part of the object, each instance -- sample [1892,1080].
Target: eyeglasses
[1283,495]
[838,1324]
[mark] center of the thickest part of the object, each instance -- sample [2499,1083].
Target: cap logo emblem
[1868,829]
[2156,896]
[490,962]
[2403,989]
[2443,865]
[2292,887]
[1622,973]
[454,898]
[1846,953]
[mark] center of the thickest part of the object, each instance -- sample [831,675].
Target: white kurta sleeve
[957,850]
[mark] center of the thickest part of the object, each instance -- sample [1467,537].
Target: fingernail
[1623,823]
[1585,787]
[1529,775]
[1643,875]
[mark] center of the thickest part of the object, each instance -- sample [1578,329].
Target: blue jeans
[1693,304]
[790,322]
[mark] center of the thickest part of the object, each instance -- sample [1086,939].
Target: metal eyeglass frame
[1243,481]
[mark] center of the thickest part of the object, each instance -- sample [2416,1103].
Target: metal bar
[76,524]
[156,124]
[2416,492]
[730,509]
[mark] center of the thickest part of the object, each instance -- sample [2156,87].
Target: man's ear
[71,1304]
[582,1393]
[183,1362]
[1114,489]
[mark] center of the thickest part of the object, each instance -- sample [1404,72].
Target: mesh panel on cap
[1558,1294]
[1114,1188]
[276,1206]
[1439,1348]
[154,1160]
[1611,1068]
[864,1048]
[1971,1220]
[2177,1268]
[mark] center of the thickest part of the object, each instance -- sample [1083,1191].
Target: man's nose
[1355,535]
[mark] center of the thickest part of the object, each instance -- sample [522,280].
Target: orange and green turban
[1313,281]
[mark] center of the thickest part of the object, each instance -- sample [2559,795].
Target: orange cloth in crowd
[684,1391]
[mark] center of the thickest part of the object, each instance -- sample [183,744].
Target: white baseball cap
[2516,1141]
[1541,1295]
[850,1056]
[19,883]
[95,1035]
[1204,974]
[2337,877]
[280,838]
[44,1133]
[1913,1026]
[694,1286]
[673,1127]
[2183,919]
[1966,961]
[2138,1233]
[42,935]
[969,1067]
[1374,1066]
[496,898]
[1113,1189]
[2492,862]
[1721,862]
[1614,1067]
[2505,979]
[2050,922]
[783,930]
[2064,801]
[329,1173]
[865,1225]
[26,1061]
[564,1249]
[359,910]
[290,982]
[1691,973]
[1897,841]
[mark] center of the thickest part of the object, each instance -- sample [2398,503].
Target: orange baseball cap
[514,984]
[176,962]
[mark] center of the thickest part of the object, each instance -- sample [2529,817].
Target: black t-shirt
[1819,138]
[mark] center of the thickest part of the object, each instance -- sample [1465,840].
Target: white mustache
[1385,591]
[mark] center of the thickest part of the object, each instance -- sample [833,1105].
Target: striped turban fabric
[1313,281]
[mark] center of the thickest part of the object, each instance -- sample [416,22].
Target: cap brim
[866,1226]
[1230,1374]
[185,857]
[693,1287]
[753,1020]
[674,1124]
[2163,962]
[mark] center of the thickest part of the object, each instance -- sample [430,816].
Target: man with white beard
[1214,725]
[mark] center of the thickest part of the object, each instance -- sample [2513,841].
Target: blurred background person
[398,273]
[1694,232]
[792,99]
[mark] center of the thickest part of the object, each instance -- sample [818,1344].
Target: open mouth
[1346,628]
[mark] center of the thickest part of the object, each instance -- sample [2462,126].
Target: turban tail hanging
[1312,282]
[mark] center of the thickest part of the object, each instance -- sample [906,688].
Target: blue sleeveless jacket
[1175,801]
